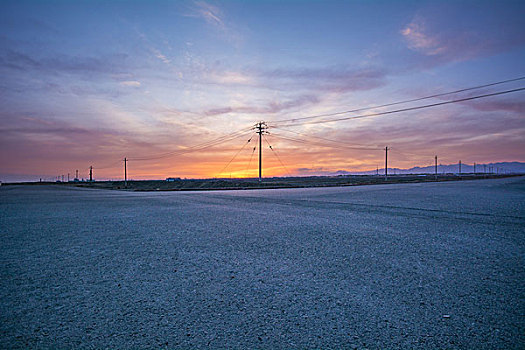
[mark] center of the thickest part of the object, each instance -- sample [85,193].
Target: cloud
[210,13]
[333,79]
[498,105]
[231,77]
[415,33]
[270,108]
[160,56]
[108,64]
[214,16]
[131,83]
[442,38]
[280,90]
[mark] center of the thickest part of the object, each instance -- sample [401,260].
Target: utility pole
[90,173]
[125,172]
[67,177]
[76,177]
[377,170]
[261,130]
[460,167]
[386,163]
[436,167]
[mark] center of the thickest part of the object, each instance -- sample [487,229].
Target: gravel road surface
[407,266]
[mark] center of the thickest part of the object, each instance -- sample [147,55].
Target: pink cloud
[418,38]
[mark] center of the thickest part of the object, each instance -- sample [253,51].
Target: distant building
[171,179]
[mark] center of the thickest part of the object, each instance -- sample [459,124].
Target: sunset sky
[87,83]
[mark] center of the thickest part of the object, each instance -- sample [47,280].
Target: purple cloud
[437,43]
[269,108]
[109,64]
[501,105]
[334,79]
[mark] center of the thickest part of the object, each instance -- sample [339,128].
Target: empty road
[406,266]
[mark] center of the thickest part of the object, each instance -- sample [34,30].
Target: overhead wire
[402,102]
[408,108]
[322,138]
[277,156]
[317,143]
[251,157]
[198,147]
[236,154]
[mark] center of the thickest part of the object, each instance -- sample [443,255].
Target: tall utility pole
[261,130]
[386,163]
[67,177]
[90,173]
[76,177]
[460,167]
[436,167]
[125,172]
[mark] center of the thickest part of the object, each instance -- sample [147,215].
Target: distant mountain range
[501,168]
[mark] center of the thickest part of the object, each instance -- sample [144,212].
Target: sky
[177,86]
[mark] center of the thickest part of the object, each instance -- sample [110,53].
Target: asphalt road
[406,266]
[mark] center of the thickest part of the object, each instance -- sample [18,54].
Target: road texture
[407,266]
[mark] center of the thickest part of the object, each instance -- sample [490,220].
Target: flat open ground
[426,265]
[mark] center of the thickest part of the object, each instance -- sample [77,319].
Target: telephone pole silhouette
[261,130]
[90,173]
[125,172]
[386,163]
[436,167]
[460,167]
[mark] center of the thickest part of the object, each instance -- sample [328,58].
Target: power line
[317,143]
[401,102]
[356,146]
[251,157]
[236,154]
[277,156]
[410,108]
[198,147]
